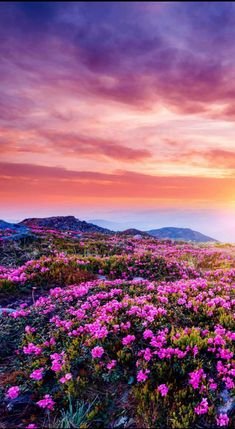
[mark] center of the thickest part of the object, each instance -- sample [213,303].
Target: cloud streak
[86,145]
[44,181]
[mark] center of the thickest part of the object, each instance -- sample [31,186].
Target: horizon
[119,111]
[146,221]
[109,224]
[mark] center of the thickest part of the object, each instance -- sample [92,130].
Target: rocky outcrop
[64,223]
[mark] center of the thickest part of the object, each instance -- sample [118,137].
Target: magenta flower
[147,354]
[128,340]
[147,334]
[56,366]
[212,384]
[202,408]
[196,377]
[111,364]
[37,374]
[97,352]
[31,349]
[163,389]
[47,403]
[222,420]
[66,378]
[31,426]
[29,329]
[13,392]
[142,375]
[229,383]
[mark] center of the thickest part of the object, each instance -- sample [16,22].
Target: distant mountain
[108,224]
[184,234]
[71,223]
[133,231]
[64,223]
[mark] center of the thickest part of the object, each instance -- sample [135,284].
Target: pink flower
[112,364]
[97,352]
[37,374]
[202,408]
[51,342]
[31,349]
[66,378]
[222,420]
[29,329]
[128,340]
[57,356]
[13,392]
[196,378]
[181,301]
[56,366]
[47,402]
[163,389]
[225,354]
[229,383]
[147,354]
[142,375]
[31,426]
[147,334]
[212,384]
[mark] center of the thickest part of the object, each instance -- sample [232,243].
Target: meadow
[116,332]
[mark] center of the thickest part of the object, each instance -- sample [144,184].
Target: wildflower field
[116,332]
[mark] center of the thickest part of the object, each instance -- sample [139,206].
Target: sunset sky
[119,111]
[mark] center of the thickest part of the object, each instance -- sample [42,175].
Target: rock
[131,422]
[123,422]
[228,405]
[64,223]
[21,402]
[6,311]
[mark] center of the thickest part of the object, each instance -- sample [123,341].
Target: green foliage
[78,415]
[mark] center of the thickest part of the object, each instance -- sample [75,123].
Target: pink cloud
[42,182]
[88,145]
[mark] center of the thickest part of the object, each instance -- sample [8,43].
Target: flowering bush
[164,342]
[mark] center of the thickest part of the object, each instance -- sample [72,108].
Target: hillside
[102,324]
[63,223]
[71,223]
[184,234]
[99,325]
[133,232]
[12,230]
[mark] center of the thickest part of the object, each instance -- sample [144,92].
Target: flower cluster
[151,323]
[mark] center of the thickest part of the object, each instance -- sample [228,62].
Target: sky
[119,111]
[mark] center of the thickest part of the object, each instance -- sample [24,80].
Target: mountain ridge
[71,223]
[64,223]
[133,232]
[184,234]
